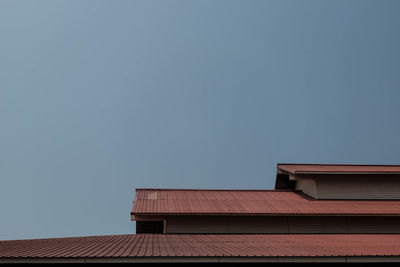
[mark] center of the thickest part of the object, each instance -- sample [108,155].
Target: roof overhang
[294,168]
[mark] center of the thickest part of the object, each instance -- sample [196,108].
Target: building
[317,212]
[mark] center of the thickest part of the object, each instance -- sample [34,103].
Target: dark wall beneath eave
[346,186]
[281,224]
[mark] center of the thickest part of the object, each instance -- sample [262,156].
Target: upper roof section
[337,169]
[250,202]
[334,181]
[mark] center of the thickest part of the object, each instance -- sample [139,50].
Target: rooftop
[218,247]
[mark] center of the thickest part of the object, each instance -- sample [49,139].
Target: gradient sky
[98,98]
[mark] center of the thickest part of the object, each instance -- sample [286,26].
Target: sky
[98,98]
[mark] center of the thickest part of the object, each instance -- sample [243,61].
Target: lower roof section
[155,247]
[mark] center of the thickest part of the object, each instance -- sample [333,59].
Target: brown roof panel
[252,202]
[337,168]
[153,245]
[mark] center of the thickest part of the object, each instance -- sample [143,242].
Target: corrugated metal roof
[148,245]
[256,202]
[337,168]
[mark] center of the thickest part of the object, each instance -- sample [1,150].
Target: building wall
[308,186]
[280,224]
[345,186]
[377,225]
[242,224]
[197,224]
[322,225]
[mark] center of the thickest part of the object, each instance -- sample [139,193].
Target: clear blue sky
[98,98]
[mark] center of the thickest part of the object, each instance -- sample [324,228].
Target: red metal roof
[148,245]
[337,168]
[252,202]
